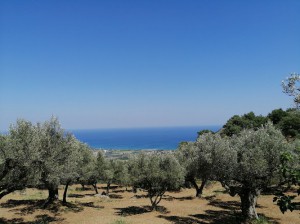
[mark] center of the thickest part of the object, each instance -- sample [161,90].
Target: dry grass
[124,207]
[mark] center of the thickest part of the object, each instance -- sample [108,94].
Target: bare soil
[125,207]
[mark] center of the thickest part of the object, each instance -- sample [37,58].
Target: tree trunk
[155,199]
[65,192]
[200,190]
[95,188]
[83,188]
[248,203]
[107,188]
[53,196]
[134,189]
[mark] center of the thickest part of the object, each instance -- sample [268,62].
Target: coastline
[126,154]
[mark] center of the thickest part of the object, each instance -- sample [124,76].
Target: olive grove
[156,174]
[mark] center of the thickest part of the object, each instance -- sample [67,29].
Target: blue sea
[139,138]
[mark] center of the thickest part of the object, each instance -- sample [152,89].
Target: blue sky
[107,64]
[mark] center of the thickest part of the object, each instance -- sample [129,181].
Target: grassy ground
[124,207]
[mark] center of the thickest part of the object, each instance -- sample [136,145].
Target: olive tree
[157,173]
[87,168]
[291,87]
[55,150]
[205,159]
[212,157]
[71,169]
[111,171]
[18,158]
[255,166]
[186,155]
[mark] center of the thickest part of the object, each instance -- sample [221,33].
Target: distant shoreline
[104,149]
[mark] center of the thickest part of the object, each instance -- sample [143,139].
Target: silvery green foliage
[18,158]
[186,155]
[214,157]
[87,165]
[291,86]
[71,170]
[258,156]
[156,173]
[256,164]
[58,153]
[112,171]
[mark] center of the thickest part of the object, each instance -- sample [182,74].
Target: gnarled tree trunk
[53,195]
[155,199]
[199,190]
[248,202]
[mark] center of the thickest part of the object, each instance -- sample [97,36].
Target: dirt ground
[125,207]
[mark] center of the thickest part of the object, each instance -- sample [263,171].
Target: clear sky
[99,64]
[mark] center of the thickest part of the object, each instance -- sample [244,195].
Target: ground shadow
[72,207]
[115,196]
[171,198]
[181,220]
[84,189]
[226,217]
[229,205]
[76,196]
[141,196]
[212,217]
[131,210]
[134,210]
[223,191]
[24,207]
[110,188]
[90,205]
[219,217]
[39,219]
[120,191]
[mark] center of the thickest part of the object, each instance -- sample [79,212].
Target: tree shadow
[223,191]
[115,196]
[120,191]
[76,196]
[131,210]
[39,219]
[219,217]
[171,198]
[229,205]
[110,188]
[297,205]
[226,217]
[181,220]
[85,189]
[134,210]
[141,196]
[24,207]
[72,207]
[212,217]
[91,205]
[11,203]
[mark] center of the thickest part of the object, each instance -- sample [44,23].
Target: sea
[162,138]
